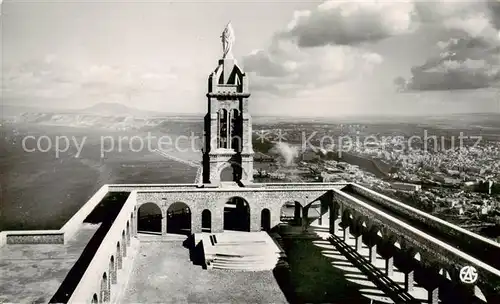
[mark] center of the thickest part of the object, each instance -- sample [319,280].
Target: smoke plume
[288,152]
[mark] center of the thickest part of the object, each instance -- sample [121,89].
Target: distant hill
[111,116]
[116,109]
[10,111]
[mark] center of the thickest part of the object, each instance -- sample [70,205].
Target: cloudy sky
[316,58]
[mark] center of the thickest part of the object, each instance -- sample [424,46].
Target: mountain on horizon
[116,109]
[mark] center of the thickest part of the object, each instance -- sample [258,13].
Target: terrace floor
[163,273]
[33,273]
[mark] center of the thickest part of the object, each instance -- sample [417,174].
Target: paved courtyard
[163,273]
[33,273]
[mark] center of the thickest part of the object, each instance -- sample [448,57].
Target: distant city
[458,183]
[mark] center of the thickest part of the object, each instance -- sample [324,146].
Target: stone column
[215,128]
[338,218]
[359,242]
[247,127]
[389,266]
[346,234]
[275,216]
[305,213]
[164,220]
[228,129]
[433,296]
[217,220]
[409,280]
[195,221]
[325,213]
[373,253]
[297,211]
[334,222]
[255,220]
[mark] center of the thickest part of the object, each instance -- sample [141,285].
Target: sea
[41,188]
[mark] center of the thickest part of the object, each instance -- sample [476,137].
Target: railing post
[359,242]
[389,266]
[373,253]
[335,218]
[346,234]
[433,296]
[409,280]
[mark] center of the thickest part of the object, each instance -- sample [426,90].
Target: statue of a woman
[227,41]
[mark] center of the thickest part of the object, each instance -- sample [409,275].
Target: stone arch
[231,171]
[149,218]
[179,218]
[206,221]
[119,261]
[104,288]
[371,234]
[347,218]
[265,219]
[392,239]
[124,244]
[291,213]
[237,214]
[363,222]
[314,208]
[312,212]
[95,299]
[112,269]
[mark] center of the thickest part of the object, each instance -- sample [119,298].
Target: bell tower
[228,125]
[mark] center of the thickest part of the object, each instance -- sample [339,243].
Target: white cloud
[320,47]
[330,44]
[51,79]
[350,22]
[468,59]
[275,72]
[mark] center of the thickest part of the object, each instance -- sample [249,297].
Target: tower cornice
[228,94]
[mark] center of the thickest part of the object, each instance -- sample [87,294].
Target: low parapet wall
[303,185]
[59,236]
[76,220]
[140,187]
[31,237]
[103,270]
[475,240]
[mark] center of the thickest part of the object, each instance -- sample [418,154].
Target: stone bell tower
[228,125]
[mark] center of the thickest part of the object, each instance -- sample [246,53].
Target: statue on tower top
[227,41]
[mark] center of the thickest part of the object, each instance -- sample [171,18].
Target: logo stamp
[468,274]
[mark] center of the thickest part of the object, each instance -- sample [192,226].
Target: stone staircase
[247,251]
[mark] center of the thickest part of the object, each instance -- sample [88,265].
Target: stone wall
[140,187]
[473,240]
[215,199]
[74,223]
[440,253]
[39,237]
[103,278]
[54,236]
